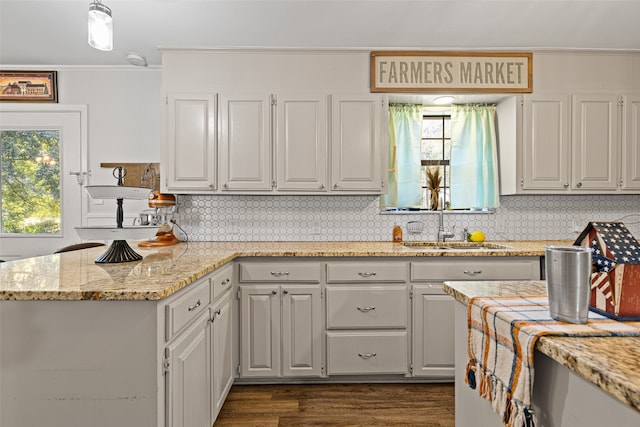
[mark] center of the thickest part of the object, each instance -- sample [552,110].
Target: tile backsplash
[358,218]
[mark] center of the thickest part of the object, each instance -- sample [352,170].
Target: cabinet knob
[336,186]
[322,186]
[286,292]
[566,185]
[579,185]
[274,292]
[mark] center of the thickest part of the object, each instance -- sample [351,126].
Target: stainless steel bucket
[568,271]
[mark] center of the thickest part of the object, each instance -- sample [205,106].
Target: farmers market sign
[408,71]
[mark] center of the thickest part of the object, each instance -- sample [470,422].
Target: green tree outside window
[30,181]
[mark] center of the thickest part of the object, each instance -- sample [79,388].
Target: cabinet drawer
[366,353]
[476,268]
[354,272]
[280,272]
[367,307]
[181,311]
[221,281]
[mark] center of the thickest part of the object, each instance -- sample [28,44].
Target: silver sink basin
[454,246]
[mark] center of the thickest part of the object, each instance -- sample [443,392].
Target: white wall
[123,121]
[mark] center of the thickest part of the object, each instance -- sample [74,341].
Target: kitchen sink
[454,246]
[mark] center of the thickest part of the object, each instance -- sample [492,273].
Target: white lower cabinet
[188,376]
[367,310]
[366,317]
[221,353]
[366,352]
[433,350]
[259,331]
[198,364]
[280,321]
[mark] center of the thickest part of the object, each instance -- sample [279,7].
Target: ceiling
[54,32]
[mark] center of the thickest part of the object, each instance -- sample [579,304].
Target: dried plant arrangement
[434,180]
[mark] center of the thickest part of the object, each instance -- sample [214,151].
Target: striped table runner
[502,335]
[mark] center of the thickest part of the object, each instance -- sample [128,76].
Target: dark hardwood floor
[339,405]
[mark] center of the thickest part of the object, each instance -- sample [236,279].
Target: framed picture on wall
[28,86]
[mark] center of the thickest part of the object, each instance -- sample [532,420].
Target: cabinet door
[245,141]
[259,331]
[222,365]
[188,378]
[545,154]
[433,332]
[595,142]
[190,154]
[631,143]
[301,146]
[301,331]
[356,159]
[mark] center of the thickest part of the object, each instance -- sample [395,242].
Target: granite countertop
[165,270]
[610,363]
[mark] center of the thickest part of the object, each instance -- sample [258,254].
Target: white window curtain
[405,179]
[474,157]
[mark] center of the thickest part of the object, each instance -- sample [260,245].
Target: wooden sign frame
[452,72]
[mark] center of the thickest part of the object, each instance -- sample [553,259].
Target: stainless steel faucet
[443,234]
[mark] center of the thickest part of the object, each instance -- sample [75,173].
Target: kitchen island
[579,381]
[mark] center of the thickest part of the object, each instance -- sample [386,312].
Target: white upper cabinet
[191,142]
[287,122]
[545,154]
[245,142]
[301,144]
[579,144]
[357,146]
[577,133]
[631,143]
[595,142]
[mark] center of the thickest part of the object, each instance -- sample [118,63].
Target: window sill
[425,211]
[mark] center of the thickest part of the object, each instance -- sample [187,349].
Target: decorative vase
[434,199]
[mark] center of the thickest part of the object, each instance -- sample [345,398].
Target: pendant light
[100,26]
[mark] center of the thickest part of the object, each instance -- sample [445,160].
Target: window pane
[447,149]
[432,149]
[447,127]
[432,127]
[30,178]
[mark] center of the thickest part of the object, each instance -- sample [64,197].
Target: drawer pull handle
[367,355]
[366,309]
[196,305]
[472,272]
[279,273]
[225,282]
[367,273]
